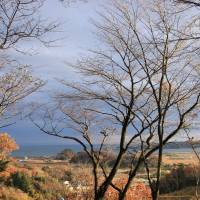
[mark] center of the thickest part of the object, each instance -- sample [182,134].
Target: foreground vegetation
[69,176]
[43,179]
[52,181]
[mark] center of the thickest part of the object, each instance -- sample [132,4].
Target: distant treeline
[107,158]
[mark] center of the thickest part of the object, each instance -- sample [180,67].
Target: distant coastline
[43,150]
[51,150]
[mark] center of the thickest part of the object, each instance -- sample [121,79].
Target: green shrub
[22,181]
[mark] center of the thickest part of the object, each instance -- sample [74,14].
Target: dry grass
[178,158]
[9,193]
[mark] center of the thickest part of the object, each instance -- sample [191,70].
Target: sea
[52,150]
[43,150]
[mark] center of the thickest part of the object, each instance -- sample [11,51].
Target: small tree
[22,181]
[7,145]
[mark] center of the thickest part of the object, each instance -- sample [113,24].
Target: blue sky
[50,63]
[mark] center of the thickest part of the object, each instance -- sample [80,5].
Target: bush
[81,157]
[179,178]
[22,181]
[68,175]
[66,154]
[106,158]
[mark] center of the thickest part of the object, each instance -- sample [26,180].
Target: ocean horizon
[34,150]
[48,150]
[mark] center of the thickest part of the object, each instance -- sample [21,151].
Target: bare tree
[15,85]
[192,142]
[20,20]
[139,88]
[189,2]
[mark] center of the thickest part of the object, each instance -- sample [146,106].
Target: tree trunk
[100,194]
[154,195]
[131,177]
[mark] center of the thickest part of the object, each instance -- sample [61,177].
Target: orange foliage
[13,168]
[136,192]
[7,144]
[9,170]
